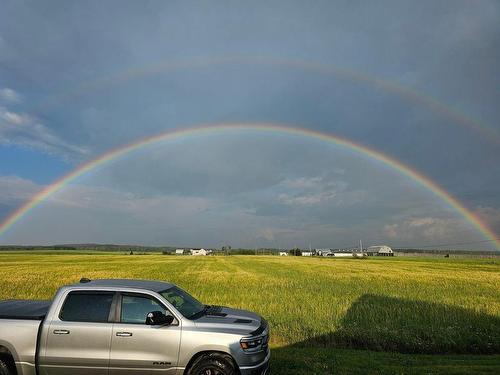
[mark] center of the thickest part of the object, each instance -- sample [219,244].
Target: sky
[416,81]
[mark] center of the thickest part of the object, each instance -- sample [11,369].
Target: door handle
[61,332]
[124,334]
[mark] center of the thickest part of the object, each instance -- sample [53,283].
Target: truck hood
[226,318]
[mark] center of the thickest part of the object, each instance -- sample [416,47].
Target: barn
[198,252]
[382,250]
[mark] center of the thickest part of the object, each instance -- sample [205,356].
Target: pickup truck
[115,327]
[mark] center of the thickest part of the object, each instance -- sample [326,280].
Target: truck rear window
[87,307]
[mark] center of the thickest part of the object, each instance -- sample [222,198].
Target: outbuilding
[323,252]
[382,250]
[198,252]
[342,255]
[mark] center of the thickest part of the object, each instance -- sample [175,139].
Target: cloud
[90,197]
[428,229]
[272,235]
[490,216]
[267,234]
[4,49]
[14,189]
[471,23]
[20,128]
[10,95]
[308,191]
[93,213]
[307,199]
[276,188]
[303,182]
[83,213]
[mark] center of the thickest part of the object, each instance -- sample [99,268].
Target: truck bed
[24,309]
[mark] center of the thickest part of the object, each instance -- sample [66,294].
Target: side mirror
[157,318]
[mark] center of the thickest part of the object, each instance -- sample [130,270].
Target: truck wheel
[213,364]
[4,368]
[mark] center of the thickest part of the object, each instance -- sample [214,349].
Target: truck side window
[87,307]
[135,309]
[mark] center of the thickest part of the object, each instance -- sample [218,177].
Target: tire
[4,368]
[212,364]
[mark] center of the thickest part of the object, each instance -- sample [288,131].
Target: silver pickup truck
[116,327]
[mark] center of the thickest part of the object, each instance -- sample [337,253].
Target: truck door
[140,349]
[79,340]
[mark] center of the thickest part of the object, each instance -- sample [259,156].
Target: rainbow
[459,118]
[359,149]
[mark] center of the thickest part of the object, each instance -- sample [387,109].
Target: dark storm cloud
[60,59]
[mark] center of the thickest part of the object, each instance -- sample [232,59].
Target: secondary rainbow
[457,117]
[362,150]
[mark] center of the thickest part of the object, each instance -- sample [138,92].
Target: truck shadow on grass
[386,324]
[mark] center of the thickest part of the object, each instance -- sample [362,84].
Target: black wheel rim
[211,371]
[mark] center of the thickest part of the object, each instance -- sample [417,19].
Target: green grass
[391,315]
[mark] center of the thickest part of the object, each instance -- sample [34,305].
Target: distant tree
[297,252]
[131,252]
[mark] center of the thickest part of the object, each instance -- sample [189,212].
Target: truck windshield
[186,304]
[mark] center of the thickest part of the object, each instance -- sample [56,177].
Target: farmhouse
[307,253]
[179,252]
[382,250]
[283,254]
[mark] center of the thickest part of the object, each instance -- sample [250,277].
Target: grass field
[377,315]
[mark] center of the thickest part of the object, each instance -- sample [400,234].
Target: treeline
[88,247]
[29,248]
[447,251]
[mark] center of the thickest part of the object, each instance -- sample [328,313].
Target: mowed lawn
[377,315]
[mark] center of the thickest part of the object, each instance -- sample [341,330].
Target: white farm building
[199,252]
[323,252]
[342,255]
[380,251]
